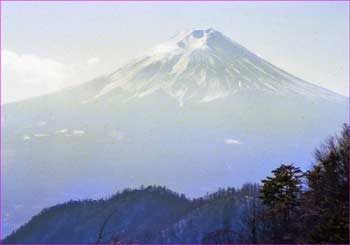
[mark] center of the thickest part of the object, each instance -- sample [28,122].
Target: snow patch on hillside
[232,142]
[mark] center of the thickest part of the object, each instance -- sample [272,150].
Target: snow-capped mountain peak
[204,65]
[186,42]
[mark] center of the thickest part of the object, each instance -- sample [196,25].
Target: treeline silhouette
[289,206]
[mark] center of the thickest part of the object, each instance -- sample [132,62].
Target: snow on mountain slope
[204,65]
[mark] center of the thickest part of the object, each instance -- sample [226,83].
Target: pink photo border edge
[151,1]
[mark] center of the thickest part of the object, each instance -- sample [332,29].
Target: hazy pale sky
[47,46]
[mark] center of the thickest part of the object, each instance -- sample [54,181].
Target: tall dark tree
[252,226]
[325,208]
[280,193]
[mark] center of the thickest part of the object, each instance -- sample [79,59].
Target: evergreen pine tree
[280,193]
[325,208]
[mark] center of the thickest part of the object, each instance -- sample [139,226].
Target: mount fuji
[195,113]
[202,66]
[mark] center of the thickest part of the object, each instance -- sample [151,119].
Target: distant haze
[48,46]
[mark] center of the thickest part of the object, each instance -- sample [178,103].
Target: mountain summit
[187,42]
[205,65]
